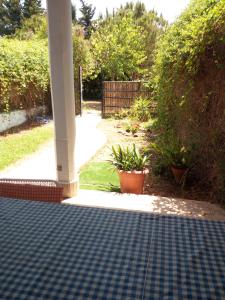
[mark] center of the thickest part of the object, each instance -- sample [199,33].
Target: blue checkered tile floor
[59,252]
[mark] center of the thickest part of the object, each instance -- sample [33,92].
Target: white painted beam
[62,88]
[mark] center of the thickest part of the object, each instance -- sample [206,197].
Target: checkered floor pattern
[58,252]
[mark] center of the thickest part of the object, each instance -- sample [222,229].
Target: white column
[62,88]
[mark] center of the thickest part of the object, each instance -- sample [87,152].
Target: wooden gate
[119,95]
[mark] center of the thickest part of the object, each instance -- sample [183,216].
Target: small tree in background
[74,14]
[31,7]
[118,48]
[10,16]
[33,28]
[87,12]
[139,10]
[123,43]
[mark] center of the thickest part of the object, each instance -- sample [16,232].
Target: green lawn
[99,176]
[16,146]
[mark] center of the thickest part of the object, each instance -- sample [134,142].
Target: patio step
[148,203]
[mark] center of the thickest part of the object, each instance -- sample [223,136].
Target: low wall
[17,117]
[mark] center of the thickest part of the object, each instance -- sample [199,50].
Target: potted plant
[179,164]
[176,156]
[131,167]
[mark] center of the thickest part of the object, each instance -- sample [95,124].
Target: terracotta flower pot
[178,173]
[132,181]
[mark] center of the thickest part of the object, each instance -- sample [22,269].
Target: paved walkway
[41,164]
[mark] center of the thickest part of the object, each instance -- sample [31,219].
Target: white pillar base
[71,189]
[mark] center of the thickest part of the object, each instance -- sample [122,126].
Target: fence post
[81,89]
[103,99]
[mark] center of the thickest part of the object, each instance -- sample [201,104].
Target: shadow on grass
[100,187]
[28,125]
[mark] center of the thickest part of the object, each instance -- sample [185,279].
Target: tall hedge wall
[189,85]
[24,75]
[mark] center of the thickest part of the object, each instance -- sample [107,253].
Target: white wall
[12,119]
[17,117]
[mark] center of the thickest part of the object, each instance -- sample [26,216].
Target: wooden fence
[119,95]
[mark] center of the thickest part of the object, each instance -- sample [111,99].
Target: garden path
[41,165]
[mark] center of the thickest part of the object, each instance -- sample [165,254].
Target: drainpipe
[62,89]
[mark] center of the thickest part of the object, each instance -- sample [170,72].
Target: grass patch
[99,176]
[16,146]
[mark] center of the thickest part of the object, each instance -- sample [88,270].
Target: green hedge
[188,83]
[24,73]
[24,66]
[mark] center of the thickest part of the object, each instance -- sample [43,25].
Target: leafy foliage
[172,153]
[24,73]
[141,109]
[31,7]
[118,49]
[10,16]
[24,79]
[188,83]
[87,12]
[123,43]
[132,127]
[122,114]
[81,54]
[128,159]
[74,13]
[34,27]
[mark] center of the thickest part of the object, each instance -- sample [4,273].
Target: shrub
[172,153]
[24,75]
[24,66]
[150,124]
[34,27]
[141,109]
[132,127]
[123,114]
[188,82]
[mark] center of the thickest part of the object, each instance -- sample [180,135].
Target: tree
[33,28]
[81,54]
[151,27]
[10,16]
[148,25]
[31,7]
[139,10]
[2,12]
[118,49]
[74,14]
[86,19]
